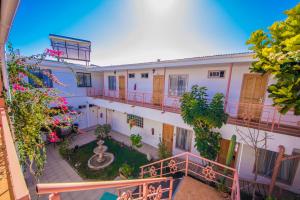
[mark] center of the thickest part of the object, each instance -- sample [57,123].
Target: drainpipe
[228,87]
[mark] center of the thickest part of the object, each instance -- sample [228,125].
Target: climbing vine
[204,115]
[34,110]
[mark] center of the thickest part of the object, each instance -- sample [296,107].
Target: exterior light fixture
[153,70]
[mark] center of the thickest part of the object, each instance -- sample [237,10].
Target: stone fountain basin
[93,164]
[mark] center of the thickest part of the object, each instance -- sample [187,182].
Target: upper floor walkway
[254,115]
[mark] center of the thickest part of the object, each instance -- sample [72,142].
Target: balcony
[264,117]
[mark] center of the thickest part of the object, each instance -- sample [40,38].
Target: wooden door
[167,139]
[252,96]
[223,153]
[122,87]
[158,89]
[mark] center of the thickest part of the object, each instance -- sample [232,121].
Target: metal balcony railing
[255,115]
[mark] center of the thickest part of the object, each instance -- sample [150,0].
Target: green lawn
[123,154]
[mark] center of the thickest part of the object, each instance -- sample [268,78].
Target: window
[177,84]
[42,75]
[139,121]
[112,83]
[84,79]
[144,75]
[132,75]
[183,139]
[216,74]
[287,169]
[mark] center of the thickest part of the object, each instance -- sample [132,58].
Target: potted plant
[136,140]
[102,131]
[125,171]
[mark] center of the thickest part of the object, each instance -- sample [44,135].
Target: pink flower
[53,137]
[53,78]
[56,122]
[18,87]
[64,107]
[54,53]
[62,100]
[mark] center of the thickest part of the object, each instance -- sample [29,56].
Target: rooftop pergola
[71,48]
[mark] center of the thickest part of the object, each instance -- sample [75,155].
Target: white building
[150,92]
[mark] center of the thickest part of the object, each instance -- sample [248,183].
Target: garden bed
[79,158]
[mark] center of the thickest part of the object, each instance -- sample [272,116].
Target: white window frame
[217,76]
[188,139]
[176,92]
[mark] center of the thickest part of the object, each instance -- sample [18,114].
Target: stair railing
[223,177]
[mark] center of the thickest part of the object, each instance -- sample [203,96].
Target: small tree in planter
[203,116]
[102,131]
[163,151]
[136,140]
[125,171]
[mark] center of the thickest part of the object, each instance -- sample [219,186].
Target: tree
[278,53]
[256,140]
[203,116]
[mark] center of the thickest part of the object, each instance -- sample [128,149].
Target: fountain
[101,158]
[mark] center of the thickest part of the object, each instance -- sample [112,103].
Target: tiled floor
[58,170]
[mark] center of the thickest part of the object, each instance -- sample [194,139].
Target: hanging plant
[34,110]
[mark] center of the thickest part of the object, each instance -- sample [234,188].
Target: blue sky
[128,31]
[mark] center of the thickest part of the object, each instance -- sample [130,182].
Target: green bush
[136,140]
[102,131]
[126,170]
[163,151]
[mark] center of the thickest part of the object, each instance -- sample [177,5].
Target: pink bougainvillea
[54,53]
[18,87]
[53,137]
[53,78]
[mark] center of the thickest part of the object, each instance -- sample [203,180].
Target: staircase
[194,177]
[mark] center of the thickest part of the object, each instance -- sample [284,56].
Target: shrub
[126,170]
[102,131]
[136,140]
[163,151]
